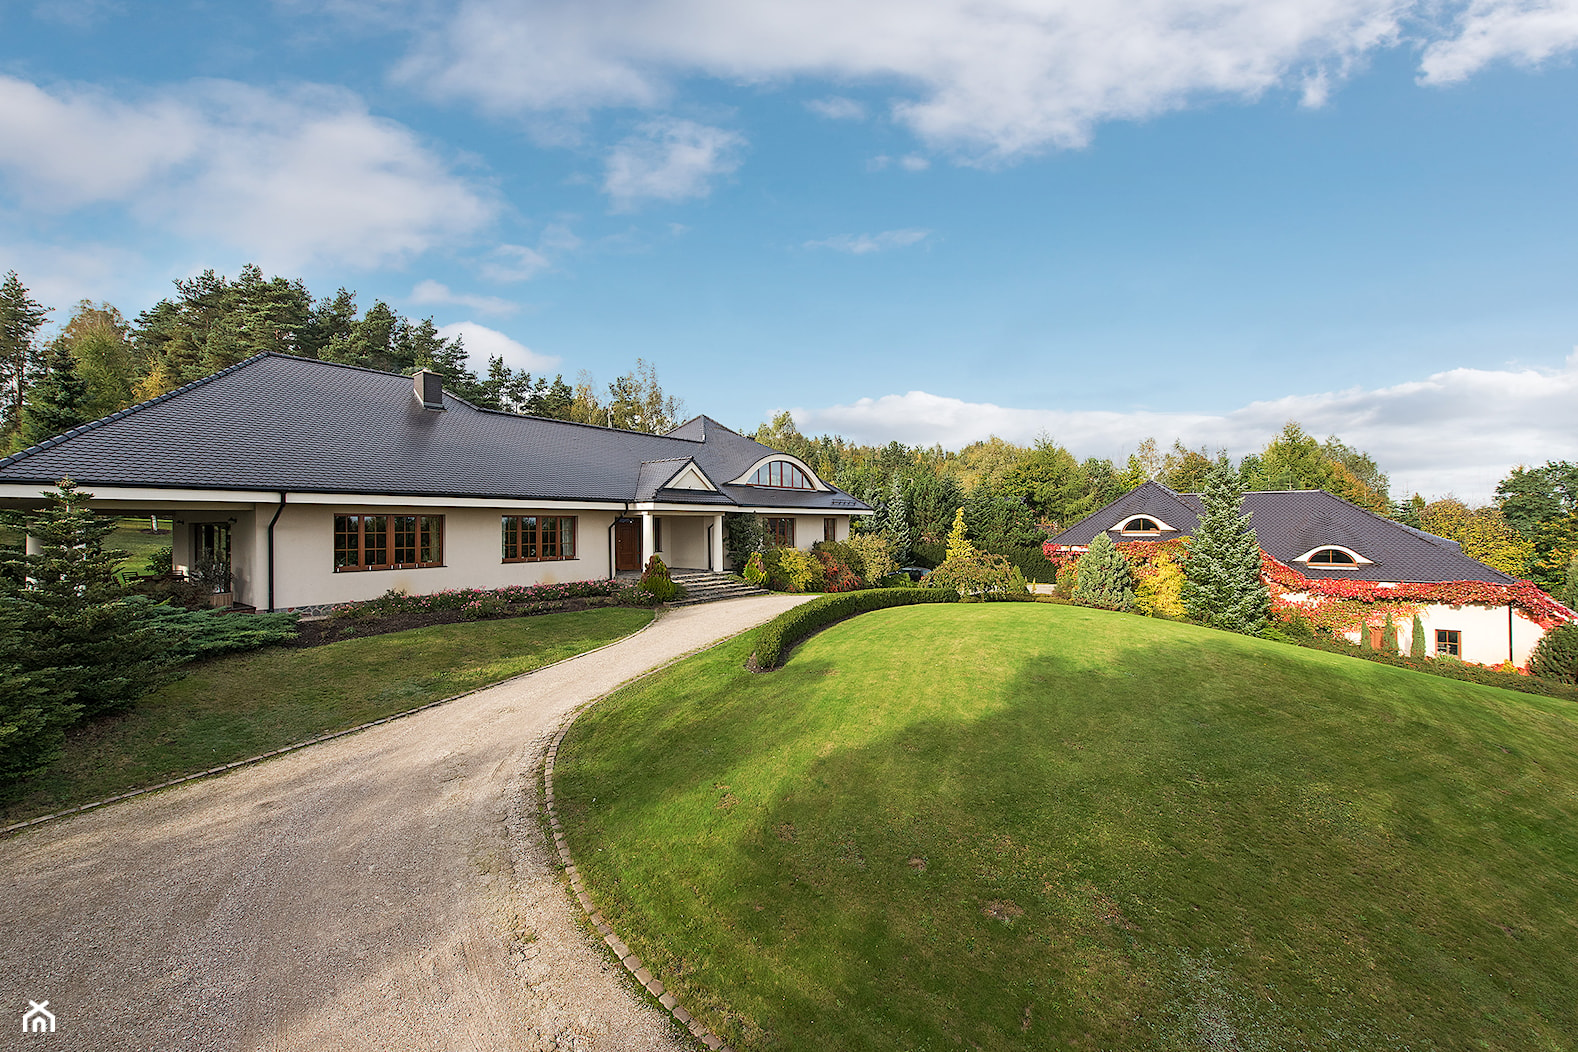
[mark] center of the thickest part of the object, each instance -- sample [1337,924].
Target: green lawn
[1033,826]
[238,706]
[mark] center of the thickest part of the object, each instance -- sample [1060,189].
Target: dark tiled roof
[275,422]
[1290,523]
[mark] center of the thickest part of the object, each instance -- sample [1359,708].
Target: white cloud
[511,263]
[992,79]
[914,162]
[429,292]
[670,160]
[483,343]
[837,108]
[861,244]
[1455,432]
[282,177]
[1524,31]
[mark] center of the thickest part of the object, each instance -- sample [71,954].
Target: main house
[1317,550]
[320,484]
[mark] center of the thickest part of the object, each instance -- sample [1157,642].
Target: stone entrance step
[705,586]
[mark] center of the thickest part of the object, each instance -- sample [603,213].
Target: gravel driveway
[386,890]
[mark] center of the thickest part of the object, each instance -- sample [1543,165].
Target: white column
[717,543]
[646,538]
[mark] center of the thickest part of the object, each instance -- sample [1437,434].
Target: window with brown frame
[780,531]
[1449,641]
[538,538]
[780,474]
[387,542]
[830,530]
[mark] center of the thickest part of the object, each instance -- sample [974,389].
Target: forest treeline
[1013,496]
[98,362]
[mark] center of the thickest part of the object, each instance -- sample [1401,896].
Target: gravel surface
[387,890]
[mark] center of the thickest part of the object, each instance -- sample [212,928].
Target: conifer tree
[1389,637]
[73,614]
[1105,579]
[57,398]
[21,316]
[1416,638]
[1222,583]
[959,546]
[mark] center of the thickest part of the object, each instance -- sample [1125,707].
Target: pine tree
[57,397]
[72,612]
[21,316]
[1222,583]
[1105,579]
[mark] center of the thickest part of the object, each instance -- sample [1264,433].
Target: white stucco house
[1320,548]
[322,484]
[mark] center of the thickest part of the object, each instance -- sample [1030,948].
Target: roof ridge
[94,425]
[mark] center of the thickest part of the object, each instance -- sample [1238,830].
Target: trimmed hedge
[1446,668]
[775,639]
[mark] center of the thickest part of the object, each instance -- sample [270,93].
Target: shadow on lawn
[1172,840]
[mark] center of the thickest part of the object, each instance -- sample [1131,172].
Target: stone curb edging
[40,820]
[632,963]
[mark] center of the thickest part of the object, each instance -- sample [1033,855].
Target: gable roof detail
[1290,523]
[277,422]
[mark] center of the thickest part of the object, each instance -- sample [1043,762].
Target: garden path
[391,889]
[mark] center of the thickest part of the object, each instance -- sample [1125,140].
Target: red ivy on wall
[1283,579]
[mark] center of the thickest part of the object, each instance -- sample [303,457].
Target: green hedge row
[1444,667]
[776,637]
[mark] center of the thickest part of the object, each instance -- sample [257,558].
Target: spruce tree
[1105,579]
[57,398]
[72,613]
[1222,583]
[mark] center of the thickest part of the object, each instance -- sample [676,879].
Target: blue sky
[908,219]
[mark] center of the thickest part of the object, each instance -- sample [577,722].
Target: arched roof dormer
[781,471]
[1332,557]
[1142,526]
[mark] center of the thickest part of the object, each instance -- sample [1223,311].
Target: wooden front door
[627,544]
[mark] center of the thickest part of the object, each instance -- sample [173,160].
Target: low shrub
[197,634]
[775,639]
[161,562]
[793,570]
[177,591]
[755,570]
[979,575]
[1067,580]
[514,596]
[872,555]
[1555,657]
[657,581]
[896,580]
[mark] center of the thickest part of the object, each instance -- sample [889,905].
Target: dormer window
[780,474]
[1145,525]
[1333,557]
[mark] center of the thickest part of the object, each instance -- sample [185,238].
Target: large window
[780,531]
[782,475]
[387,542]
[538,538]
[1449,641]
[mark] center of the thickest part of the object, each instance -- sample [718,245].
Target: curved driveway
[386,890]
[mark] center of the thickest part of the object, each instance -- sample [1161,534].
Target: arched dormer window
[1333,557]
[780,474]
[1143,524]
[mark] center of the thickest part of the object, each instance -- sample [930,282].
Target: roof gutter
[271,522]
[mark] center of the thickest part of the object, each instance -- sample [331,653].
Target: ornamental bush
[1416,639]
[1159,593]
[1105,580]
[754,571]
[1389,637]
[657,581]
[837,574]
[1067,580]
[979,575]
[796,571]
[873,557]
[776,637]
[1555,656]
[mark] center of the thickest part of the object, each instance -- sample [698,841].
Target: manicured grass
[233,707]
[1034,826]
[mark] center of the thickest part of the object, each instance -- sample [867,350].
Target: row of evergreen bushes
[777,637]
